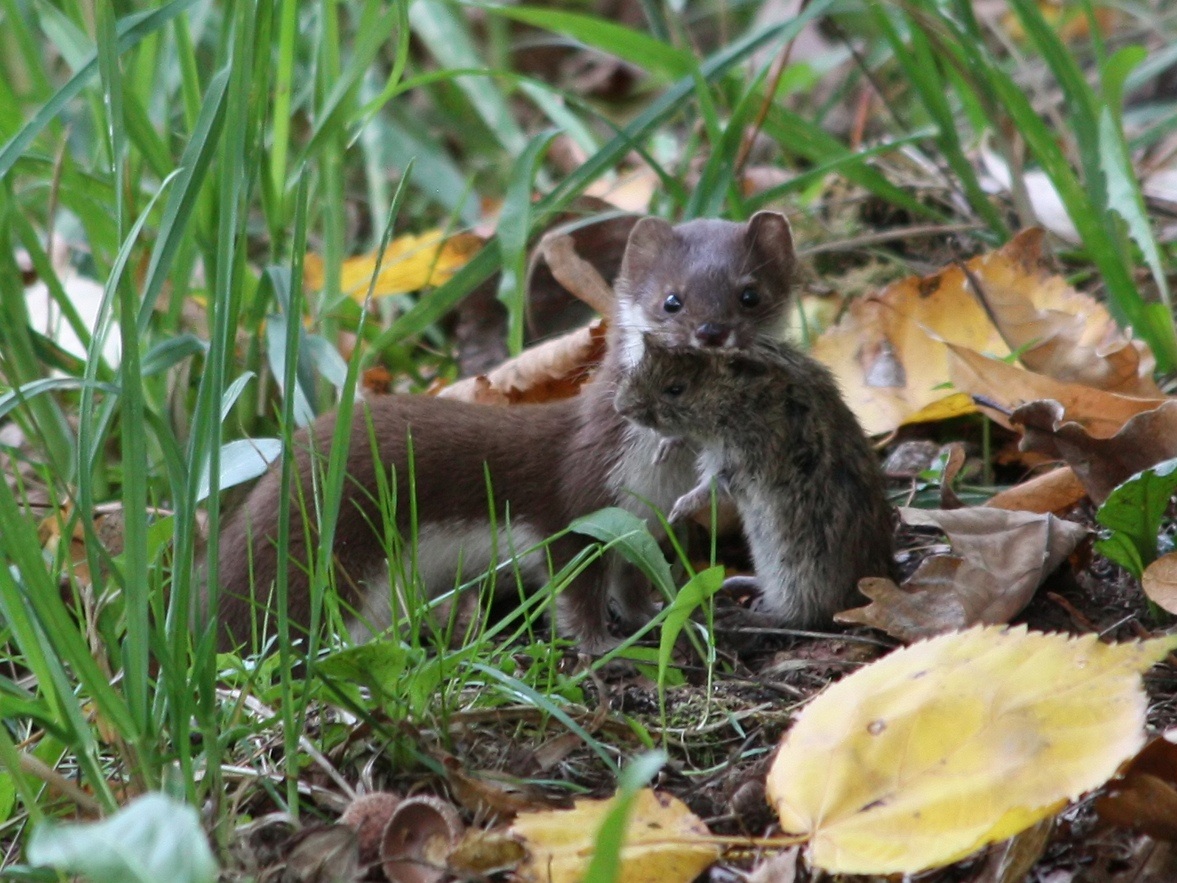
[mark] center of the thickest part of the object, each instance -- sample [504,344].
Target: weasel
[775,434]
[706,284]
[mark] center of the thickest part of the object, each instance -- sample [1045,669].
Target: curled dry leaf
[664,841]
[1144,795]
[555,369]
[491,793]
[1054,491]
[954,743]
[998,560]
[1160,582]
[321,853]
[1101,461]
[890,352]
[570,270]
[1058,332]
[1009,387]
[410,263]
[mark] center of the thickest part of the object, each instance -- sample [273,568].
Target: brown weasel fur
[706,283]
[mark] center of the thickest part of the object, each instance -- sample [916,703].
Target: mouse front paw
[666,447]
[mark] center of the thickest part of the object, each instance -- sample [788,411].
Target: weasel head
[706,284]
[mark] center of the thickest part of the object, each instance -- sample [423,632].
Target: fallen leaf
[482,852]
[486,793]
[1054,491]
[1144,795]
[1101,460]
[998,560]
[1055,330]
[554,369]
[954,743]
[890,352]
[664,842]
[410,263]
[1160,582]
[1008,387]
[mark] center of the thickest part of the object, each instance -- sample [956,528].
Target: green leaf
[130,31]
[626,533]
[1125,198]
[622,42]
[153,838]
[514,229]
[1133,513]
[241,460]
[446,36]
[690,597]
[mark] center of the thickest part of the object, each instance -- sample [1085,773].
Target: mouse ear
[649,238]
[771,238]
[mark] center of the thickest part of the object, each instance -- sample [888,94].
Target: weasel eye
[750,297]
[673,302]
[673,390]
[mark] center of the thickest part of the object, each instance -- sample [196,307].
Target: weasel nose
[712,334]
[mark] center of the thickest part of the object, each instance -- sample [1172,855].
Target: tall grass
[188,155]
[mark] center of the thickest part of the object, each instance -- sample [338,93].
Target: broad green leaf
[1133,516]
[152,839]
[626,533]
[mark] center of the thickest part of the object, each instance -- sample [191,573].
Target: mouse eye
[749,297]
[673,390]
[673,302]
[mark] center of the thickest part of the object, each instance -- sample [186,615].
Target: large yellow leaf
[957,742]
[664,841]
[410,263]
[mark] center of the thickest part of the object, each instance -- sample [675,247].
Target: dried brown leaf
[999,559]
[1054,491]
[1056,330]
[1100,461]
[1159,582]
[554,369]
[1009,386]
[1144,796]
[891,351]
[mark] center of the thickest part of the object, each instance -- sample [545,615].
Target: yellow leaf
[957,742]
[410,263]
[664,842]
[891,351]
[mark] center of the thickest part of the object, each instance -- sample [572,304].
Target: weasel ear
[648,239]
[770,237]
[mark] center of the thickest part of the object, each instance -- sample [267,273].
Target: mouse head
[707,284]
[690,391]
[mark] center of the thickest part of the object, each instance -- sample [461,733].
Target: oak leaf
[998,560]
[891,351]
